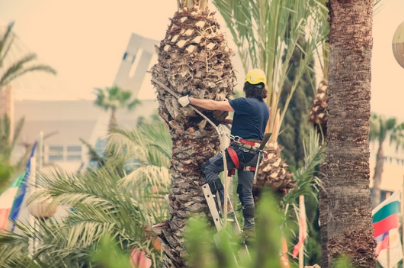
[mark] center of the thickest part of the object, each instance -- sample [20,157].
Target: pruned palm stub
[193,58]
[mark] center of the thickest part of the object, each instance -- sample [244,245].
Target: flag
[302,231]
[7,199]
[395,250]
[386,221]
[22,189]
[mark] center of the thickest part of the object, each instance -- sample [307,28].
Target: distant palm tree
[18,68]
[381,129]
[114,98]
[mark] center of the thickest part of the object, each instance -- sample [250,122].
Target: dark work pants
[214,166]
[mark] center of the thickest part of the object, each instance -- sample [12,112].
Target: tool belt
[247,144]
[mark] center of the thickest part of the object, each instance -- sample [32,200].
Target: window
[124,56]
[73,153]
[76,149]
[55,157]
[55,153]
[55,148]
[74,157]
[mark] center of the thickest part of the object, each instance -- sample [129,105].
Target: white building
[73,120]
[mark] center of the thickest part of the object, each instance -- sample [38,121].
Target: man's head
[255,84]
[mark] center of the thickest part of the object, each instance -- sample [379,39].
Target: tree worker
[248,126]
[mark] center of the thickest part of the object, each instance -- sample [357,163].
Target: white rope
[223,150]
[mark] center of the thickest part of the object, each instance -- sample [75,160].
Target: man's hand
[184,101]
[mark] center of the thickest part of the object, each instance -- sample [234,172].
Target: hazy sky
[85,41]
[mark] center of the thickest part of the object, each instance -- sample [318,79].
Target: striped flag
[12,199]
[386,221]
[7,199]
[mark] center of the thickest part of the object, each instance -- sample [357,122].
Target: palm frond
[102,204]
[150,144]
[5,42]
[305,175]
[18,70]
[266,34]
[94,156]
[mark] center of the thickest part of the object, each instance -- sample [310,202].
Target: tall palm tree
[114,98]
[194,58]
[381,129]
[20,67]
[349,224]
[319,118]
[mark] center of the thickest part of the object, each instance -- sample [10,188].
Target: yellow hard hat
[256,76]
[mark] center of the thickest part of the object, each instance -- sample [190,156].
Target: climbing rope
[221,134]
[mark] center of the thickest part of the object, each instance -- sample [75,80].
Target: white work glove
[184,101]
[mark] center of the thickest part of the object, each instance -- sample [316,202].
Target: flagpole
[388,248]
[402,214]
[38,168]
[40,152]
[32,180]
[301,234]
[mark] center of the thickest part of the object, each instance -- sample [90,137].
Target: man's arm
[212,105]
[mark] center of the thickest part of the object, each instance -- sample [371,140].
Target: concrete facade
[70,121]
[135,62]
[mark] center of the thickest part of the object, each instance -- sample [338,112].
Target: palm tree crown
[382,128]
[114,98]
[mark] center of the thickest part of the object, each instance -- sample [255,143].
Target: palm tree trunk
[349,224]
[193,58]
[190,152]
[377,177]
[112,121]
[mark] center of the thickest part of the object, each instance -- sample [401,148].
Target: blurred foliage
[295,128]
[265,251]
[8,167]
[101,202]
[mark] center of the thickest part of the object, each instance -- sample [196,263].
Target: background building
[72,120]
[393,170]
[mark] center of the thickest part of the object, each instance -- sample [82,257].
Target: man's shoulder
[247,100]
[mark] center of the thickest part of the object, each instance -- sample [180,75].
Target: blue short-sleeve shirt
[250,118]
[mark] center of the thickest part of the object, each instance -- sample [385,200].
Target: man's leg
[211,170]
[244,189]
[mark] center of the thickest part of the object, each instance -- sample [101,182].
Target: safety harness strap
[233,155]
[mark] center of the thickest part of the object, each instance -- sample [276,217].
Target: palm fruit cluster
[273,173]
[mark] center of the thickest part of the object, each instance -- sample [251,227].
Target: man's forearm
[205,104]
